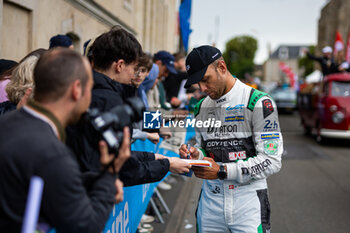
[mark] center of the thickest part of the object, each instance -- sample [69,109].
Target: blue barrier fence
[126,215]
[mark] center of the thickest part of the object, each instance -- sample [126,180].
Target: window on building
[283,53]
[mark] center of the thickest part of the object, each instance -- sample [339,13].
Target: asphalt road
[310,194]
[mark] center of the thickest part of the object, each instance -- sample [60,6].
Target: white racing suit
[249,143]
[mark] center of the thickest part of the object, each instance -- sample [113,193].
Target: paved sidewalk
[182,201]
[188,223]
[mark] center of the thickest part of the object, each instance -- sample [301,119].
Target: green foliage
[239,55]
[307,63]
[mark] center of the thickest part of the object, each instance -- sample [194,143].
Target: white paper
[198,163]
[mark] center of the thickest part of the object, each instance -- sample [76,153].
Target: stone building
[334,16]
[288,54]
[26,25]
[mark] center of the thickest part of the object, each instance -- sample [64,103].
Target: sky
[274,22]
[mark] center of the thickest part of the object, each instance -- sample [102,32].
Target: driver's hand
[183,151]
[208,173]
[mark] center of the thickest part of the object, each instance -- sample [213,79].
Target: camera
[109,125]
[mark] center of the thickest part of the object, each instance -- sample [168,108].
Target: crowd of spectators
[43,98]
[331,62]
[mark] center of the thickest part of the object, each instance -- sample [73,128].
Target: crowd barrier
[126,215]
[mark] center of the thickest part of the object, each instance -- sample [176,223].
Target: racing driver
[244,150]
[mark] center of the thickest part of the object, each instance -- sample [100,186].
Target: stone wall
[26,25]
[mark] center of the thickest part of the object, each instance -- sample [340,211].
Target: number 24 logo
[270,125]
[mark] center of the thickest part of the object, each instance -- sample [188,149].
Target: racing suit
[249,143]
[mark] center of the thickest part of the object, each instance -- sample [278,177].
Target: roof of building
[288,52]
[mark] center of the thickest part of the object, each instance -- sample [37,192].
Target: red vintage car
[325,107]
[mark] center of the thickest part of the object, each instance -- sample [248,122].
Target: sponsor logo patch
[231,186]
[270,125]
[215,190]
[245,171]
[237,107]
[271,147]
[222,130]
[267,107]
[237,155]
[219,143]
[270,136]
[234,118]
[256,169]
[221,100]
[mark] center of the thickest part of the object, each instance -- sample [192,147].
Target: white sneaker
[148,227]
[147,218]
[143,230]
[164,186]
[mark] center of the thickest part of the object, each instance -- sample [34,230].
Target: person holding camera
[32,144]
[115,58]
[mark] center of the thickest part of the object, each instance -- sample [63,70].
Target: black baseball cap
[167,59]
[60,41]
[5,65]
[197,62]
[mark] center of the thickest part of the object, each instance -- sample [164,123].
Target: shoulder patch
[255,95]
[267,107]
[197,107]
[271,147]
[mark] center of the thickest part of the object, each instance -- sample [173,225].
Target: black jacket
[141,167]
[172,84]
[29,147]
[327,64]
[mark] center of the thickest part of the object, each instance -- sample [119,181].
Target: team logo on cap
[187,67]
[215,55]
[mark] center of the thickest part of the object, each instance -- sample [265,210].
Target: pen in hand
[189,174]
[188,148]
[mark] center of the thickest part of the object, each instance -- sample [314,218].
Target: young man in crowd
[32,144]
[165,62]
[141,72]
[174,83]
[244,150]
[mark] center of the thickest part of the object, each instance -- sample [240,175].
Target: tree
[239,55]
[306,63]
